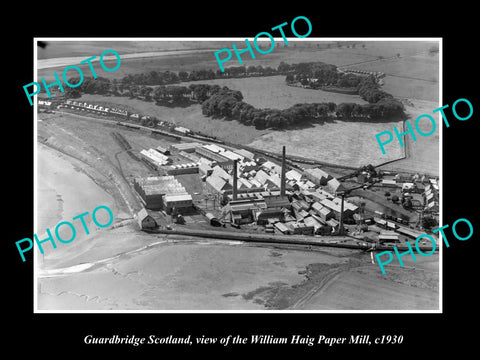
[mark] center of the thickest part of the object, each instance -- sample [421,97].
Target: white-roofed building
[232,156]
[218,184]
[245,153]
[293,175]
[333,185]
[214,148]
[317,176]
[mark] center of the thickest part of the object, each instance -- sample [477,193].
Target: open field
[272,92]
[345,143]
[424,154]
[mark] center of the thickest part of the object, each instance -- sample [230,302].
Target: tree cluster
[229,104]
[226,103]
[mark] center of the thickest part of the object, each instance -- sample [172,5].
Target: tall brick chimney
[234,180]
[282,180]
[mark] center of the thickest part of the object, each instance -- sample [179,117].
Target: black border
[423,333]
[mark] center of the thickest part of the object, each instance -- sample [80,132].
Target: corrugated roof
[218,183]
[293,175]
[330,204]
[231,155]
[214,148]
[245,153]
[262,177]
[317,206]
[219,172]
[281,227]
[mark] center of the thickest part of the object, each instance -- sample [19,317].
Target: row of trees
[229,104]
[169,77]
[226,103]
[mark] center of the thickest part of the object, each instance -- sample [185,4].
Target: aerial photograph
[252,184]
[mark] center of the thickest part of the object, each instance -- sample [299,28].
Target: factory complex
[248,191]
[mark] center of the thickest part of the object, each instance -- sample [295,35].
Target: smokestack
[234,179]
[282,180]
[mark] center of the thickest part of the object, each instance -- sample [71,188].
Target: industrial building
[221,160]
[189,168]
[317,176]
[155,158]
[153,189]
[178,202]
[184,146]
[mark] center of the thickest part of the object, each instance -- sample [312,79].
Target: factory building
[217,184]
[317,176]
[242,211]
[187,147]
[153,189]
[155,158]
[190,168]
[179,202]
[293,175]
[205,169]
[221,160]
[190,156]
[245,153]
[333,185]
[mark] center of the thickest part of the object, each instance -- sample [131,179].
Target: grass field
[424,154]
[339,142]
[272,92]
